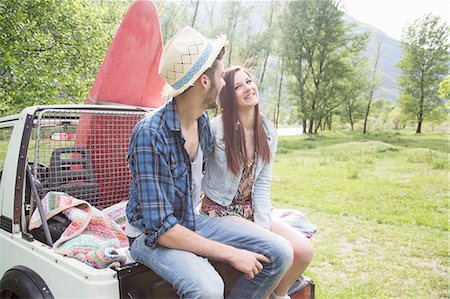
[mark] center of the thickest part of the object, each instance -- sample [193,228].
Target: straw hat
[185,57]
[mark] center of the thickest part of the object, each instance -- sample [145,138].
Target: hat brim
[217,45]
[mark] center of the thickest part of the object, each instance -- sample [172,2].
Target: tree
[373,83]
[197,3]
[276,117]
[233,11]
[352,107]
[50,51]
[316,46]
[173,15]
[397,118]
[424,63]
[269,40]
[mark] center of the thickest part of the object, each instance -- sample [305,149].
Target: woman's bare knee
[303,251]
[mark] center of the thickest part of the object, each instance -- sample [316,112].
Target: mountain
[212,12]
[390,55]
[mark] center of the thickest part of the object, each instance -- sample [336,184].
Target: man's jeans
[194,277]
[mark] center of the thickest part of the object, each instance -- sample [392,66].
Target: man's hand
[247,262]
[242,260]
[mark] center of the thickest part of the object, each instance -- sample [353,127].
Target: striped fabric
[195,68]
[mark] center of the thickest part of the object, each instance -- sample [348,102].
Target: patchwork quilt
[92,237]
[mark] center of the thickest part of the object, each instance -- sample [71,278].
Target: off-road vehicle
[79,151]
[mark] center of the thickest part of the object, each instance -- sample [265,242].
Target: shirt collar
[173,121]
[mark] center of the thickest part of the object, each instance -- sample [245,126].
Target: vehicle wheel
[22,282]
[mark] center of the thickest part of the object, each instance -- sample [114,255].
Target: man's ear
[204,81]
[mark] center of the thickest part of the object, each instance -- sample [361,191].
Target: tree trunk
[311,125]
[195,13]
[277,114]
[350,117]
[233,29]
[318,125]
[367,114]
[264,67]
[419,127]
[420,118]
[212,20]
[372,88]
[330,120]
[313,114]
[304,126]
[268,51]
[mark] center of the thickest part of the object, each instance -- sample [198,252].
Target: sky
[391,16]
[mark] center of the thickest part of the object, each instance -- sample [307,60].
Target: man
[165,158]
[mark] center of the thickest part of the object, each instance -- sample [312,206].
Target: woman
[239,171]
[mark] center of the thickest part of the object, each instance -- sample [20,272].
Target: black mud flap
[138,281]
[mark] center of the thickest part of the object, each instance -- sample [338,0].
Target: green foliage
[380,202]
[251,45]
[424,63]
[318,50]
[174,15]
[245,44]
[50,50]
[397,118]
[353,106]
[444,88]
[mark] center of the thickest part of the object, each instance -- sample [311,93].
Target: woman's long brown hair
[234,137]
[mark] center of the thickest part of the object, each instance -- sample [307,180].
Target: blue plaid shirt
[160,194]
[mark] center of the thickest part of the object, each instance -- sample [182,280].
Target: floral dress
[242,204]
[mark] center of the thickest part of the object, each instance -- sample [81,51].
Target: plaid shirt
[160,188]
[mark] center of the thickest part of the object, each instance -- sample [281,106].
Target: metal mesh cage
[83,153]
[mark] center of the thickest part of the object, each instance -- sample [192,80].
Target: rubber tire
[22,282]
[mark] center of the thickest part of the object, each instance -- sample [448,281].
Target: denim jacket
[220,184]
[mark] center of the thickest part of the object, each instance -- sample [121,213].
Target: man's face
[217,83]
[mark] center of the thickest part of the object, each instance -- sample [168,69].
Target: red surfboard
[127,76]
[129,72]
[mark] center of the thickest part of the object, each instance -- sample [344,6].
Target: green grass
[380,202]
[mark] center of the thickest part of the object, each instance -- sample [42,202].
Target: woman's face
[246,91]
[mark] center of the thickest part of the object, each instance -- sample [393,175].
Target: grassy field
[381,205]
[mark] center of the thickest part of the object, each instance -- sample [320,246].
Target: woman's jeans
[194,277]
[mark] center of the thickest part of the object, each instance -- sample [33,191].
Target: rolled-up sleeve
[154,184]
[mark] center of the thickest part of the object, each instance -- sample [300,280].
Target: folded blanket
[296,219]
[92,237]
[117,213]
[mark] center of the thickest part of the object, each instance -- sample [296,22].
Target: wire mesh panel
[83,153]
